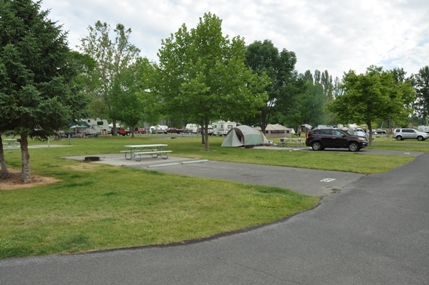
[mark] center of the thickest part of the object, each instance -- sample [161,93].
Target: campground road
[375,231]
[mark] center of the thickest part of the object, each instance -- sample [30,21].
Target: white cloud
[332,35]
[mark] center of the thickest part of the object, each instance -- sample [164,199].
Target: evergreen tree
[38,94]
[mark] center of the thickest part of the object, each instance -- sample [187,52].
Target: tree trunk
[263,123]
[25,160]
[370,133]
[202,130]
[4,172]
[206,135]
[114,132]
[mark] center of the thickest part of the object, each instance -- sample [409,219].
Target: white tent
[277,130]
[244,136]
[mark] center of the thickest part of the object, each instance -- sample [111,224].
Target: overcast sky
[333,35]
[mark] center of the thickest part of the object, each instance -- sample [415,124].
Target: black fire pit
[92,158]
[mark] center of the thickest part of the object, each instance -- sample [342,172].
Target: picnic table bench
[155,153]
[291,142]
[137,151]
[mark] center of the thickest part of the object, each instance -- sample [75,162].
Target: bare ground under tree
[14,181]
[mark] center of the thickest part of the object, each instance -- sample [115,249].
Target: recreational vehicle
[192,128]
[221,128]
[91,127]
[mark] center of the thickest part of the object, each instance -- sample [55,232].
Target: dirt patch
[14,181]
[83,167]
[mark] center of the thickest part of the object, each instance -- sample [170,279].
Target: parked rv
[423,129]
[222,128]
[191,128]
[158,129]
[91,127]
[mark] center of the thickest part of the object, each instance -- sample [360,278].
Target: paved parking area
[305,181]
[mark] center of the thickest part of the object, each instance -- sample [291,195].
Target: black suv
[320,139]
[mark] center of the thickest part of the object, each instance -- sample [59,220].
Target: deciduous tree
[135,103]
[421,81]
[308,100]
[202,75]
[112,58]
[372,96]
[265,59]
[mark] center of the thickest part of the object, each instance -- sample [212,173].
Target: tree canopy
[135,103]
[265,59]
[112,58]
[38,94]
[421,81]
[372,96]
[202,75]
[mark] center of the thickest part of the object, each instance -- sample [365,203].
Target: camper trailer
[91,127]
[192,128]
[424,129]
[221,128]
[158,129]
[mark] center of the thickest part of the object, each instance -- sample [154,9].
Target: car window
[337,133]
[327,132]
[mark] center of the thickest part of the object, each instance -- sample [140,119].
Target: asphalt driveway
[374,231]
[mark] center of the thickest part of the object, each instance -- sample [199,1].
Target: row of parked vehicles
[319,139]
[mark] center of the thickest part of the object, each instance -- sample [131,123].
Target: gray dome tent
[244,136]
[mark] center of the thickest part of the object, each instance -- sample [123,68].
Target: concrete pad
[304,181]
[146,161]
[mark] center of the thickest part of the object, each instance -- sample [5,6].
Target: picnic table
[291,142]
[136,151]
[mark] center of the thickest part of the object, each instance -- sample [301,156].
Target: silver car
[405,133]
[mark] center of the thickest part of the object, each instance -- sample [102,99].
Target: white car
[406,133]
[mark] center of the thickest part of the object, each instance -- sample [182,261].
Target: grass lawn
[96,207]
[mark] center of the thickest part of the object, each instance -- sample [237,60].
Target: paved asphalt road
[374,231]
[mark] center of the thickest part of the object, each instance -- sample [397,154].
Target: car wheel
[420,138]
[317,146]
[353,146]
[399,138]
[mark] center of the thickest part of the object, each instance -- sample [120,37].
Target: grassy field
[96,207]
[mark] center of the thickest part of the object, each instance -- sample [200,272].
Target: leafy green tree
[112,58]
[202,75]
[300,107]
[38,94]
[265,59]
[89,80]
[421,82]
[308,101]
[135,102]
[399,76]
[328,86]
[371,97]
